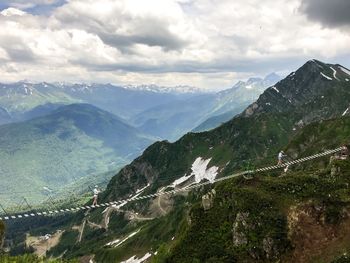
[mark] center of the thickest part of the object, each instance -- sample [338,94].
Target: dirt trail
[93,225]
[161,205]
[136,217]
[163,211]
[81,231]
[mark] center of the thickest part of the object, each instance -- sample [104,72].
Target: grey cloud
[17,50]
[161,37]
[330,13]
[20,54]
[149,31]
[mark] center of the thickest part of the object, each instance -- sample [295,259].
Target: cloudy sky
[205,43]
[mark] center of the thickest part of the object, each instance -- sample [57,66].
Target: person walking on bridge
[96,191]
[280,157]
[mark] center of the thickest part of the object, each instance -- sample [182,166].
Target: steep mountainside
[302,216]
[216,121]
[72,142]
[264,219]
[258,132]
[316,91]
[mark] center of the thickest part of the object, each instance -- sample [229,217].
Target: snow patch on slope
[138,192]
[325,76]
[334,73]
[345,112]
[199,171]
[117,243]
[345,70]
[276,89]
[136,260]
[142,189]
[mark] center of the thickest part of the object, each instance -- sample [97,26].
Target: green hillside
[21,97]
[73,142]
[250,220]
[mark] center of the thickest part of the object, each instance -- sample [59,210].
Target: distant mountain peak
[258,83]
[306,91]
[273,77]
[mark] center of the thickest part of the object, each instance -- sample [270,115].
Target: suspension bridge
[170,192]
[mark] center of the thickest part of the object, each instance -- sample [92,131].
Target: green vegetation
[247,213]
[68,239]
[17,102]
[66,148]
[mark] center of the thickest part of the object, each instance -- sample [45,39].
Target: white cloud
[207,43]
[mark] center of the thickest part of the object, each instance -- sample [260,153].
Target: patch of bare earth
[41,245]
[313,239]
[161,205]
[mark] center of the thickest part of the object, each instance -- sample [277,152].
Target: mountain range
[23,96]
[153,109]
[271,217]
[202,112]
[31,109]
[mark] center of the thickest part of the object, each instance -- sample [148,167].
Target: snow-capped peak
[345,70]
[165,89]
